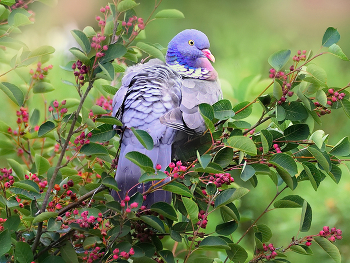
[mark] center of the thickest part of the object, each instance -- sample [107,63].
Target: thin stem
[263,213]
[58,165]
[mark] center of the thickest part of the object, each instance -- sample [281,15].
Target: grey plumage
[161,99]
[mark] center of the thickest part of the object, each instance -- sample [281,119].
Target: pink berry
[158,167]
[331,91]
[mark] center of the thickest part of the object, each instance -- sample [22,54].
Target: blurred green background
[243,34]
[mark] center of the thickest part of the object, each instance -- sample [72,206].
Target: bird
[162,99]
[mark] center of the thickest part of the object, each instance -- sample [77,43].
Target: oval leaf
[330,37]
[243,144]
[151,50]
[279,59]
[169,13]
[144,138]
[45,128]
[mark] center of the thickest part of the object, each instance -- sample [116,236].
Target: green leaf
[191,208]
[108,71]
[301,249]
[93,148]
[19,17]
[41,51]
[150,50]
[210,168]
[114,51]
[297,132]
[44,216]
[89,31]
[346,106]
[289,201]
[169,13]
[141,160]
[211,188]
[82,40]
[23,253]
[318,75]
[318,137]
[321,97]
[98,110]
[109,120]
[110,182]
[204,160]
[213,242]
[280,113]
[247,172]
[342,148]
[26,185]
[45,128]
[154,222]
[322,158]
[286,167]
[227,228]
[329,247]
[5,242]
[279,59]
[13,92]
[144,138]
[338,52]
[266,140]
[306,217]
[12,223]
[244,113]
[243,144]
[8,2]
[167,256]
[42,164]
[68,253]
[141,259]
[164,209]
[295,111]
[313,174]
[147,177]
[223,110]
[34,117]
[126,5]
[80,55]
[277,90]
[265,231]
[302,97]
[330,37]
[237,253]
[17,168]
[102,133]
[177,188]
[229,195]
[42,87]
[109,89]
[223,157]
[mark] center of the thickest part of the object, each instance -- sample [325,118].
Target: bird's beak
[208,54]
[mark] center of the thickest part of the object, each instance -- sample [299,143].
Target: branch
[58,165]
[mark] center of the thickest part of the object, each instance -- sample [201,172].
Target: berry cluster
[96,44]
[125,203]
[42,183]
[277,148]
[332,97]
[2,220]
[6,178]
[300,57]
[80,72]
[82,139]
[176,170]
[22,122]
[203,219]
[92,255]
[220,179]
[331,234]
[59,108]
[132,23]
[104,10]
[59,198]
[142,232]
[123,254]
[19,4]
[270,248]
[40,73]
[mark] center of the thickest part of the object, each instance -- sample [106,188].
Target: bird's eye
[191,42]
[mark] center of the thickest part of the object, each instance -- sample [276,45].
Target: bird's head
[188,54]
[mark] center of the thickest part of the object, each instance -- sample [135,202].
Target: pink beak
[208,54]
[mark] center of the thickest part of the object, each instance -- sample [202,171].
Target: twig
[58,165]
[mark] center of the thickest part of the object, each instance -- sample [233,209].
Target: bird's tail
[128,173]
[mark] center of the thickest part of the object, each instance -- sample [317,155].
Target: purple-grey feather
[152,98]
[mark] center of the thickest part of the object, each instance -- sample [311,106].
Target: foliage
[55,199]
